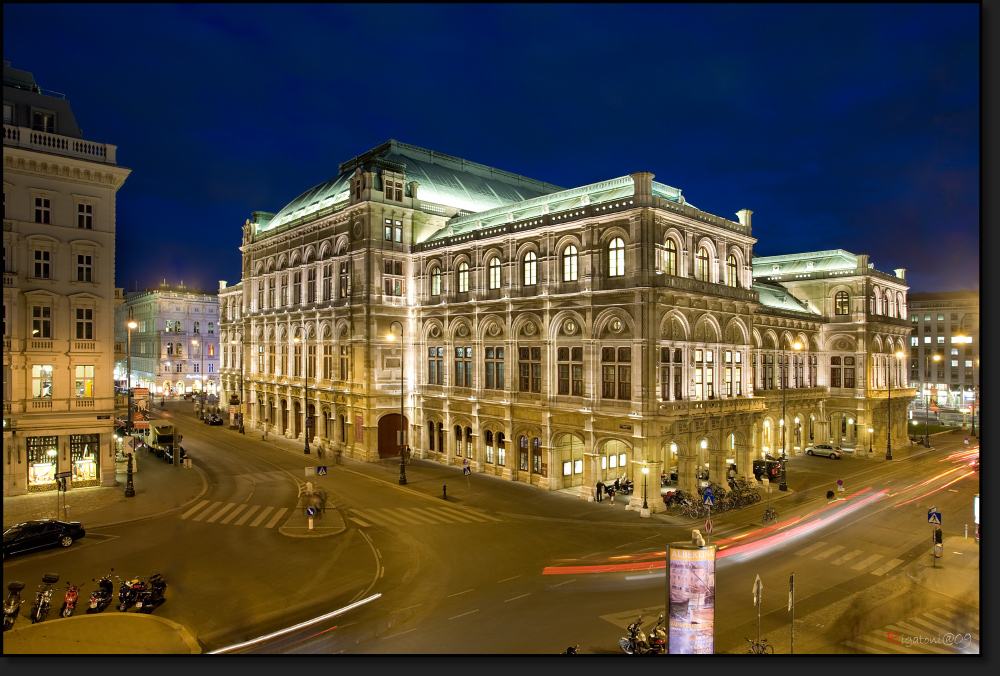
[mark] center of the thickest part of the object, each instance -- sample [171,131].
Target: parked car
[168,454]
[771,468]
[40,533]
[213,419]
[825,449]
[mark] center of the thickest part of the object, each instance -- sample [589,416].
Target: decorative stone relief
[529,329]
[462,330]
[434,331]
[616,325]
[494,330]
[569,328]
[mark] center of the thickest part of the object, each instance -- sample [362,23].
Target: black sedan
[32,535]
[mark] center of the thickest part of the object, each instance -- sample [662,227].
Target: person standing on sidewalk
[600,490]
[264,435]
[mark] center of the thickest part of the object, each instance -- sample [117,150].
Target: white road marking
[277,515]
[847,557]
[562,583]
[865,648]
[194,509]
[359,522]
[803,552]
[386,638]
[232,514]
[206,512]
[405,609]
[401,515]
[830,552]
[867,562]
[371,515]
[215,517]
[517,597]
[433,518]
[247,515]
[450,515]
[260,517]
[467,515]
[508,579]
[464,614]
[886,567]
[458,593]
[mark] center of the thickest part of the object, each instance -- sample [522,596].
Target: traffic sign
[758,587]
[321,470]
[709,497]
[466,471]
[311,511]
[708,526]
[840,482]
[934,516]
[63,475]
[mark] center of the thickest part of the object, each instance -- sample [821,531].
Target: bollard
[310,523]
[444,491]
[966,531]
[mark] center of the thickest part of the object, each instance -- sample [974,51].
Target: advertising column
[691,598]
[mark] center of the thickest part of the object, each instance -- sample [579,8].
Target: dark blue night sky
[852,126]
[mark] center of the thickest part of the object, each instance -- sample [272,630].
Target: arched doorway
[388,427]
[296,422]
[568,456]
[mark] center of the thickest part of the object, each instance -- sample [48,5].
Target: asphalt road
[473,574]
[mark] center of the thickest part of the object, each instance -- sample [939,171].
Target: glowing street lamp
[201,374]
[927,401]
[129,486]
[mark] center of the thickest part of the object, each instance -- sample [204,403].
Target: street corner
[106,633]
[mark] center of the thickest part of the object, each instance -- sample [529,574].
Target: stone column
[687,464]
[590,473]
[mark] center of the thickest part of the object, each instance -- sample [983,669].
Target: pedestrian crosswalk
[218,512]
[872,563]
[417,516]
[947,630]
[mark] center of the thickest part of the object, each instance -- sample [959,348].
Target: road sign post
[840,485]
[937,545]
[321,470]
[758,587]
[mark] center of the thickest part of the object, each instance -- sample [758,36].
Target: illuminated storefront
[43,460]
[83,454]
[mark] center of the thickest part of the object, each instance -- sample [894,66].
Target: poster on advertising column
[691,599]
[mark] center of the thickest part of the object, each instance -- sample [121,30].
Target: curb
[204,489]
[84,639]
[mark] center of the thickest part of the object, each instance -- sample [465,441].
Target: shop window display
[43,456]
[83,450]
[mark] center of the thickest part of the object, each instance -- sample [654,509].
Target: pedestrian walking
[264,436]
[319,450]
[600,490]
[336,455]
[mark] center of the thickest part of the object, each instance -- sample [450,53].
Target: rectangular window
[297,287]
[940,340]
[435,365]
[84,382]
[41,381]
[343,280]
[494,368]
[927,340]
[388,230]
[914,340]
[85,216]
[344,362]
[41,322]
[283,290]
[327,362]
[616,370]
[45,122]
[42,265]
[530,365]
[328,281]
[43,210]
[311,285]
[463,367]
[393,278]
[570,368]
[84,324]
[398,230]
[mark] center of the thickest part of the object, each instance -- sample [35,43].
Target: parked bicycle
[761,648]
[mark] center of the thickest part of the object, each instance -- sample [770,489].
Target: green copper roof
[442,179]
[815,261]
[778,297]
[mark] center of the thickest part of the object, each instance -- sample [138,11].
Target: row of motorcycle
[144,594]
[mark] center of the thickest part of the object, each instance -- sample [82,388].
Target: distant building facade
[58,293]
[552,336]
[946,324]
[175,345]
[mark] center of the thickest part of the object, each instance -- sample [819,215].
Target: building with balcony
[58,293]
[945,324]
[175,344]
[550,336]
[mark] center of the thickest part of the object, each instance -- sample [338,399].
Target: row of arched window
[888,305]
[570,259]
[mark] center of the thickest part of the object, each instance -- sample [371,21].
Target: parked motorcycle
[658,637]
[637,643]
[129,592]
[12,604]
[152,596]
[69,601]
[102,597]
[43,598]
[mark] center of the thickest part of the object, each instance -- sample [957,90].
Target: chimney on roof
[744,216]
[643,182]
[222,284]
[900,273]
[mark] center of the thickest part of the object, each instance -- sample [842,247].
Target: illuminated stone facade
[58,293]
[550,336]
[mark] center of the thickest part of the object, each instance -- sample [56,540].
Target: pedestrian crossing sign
[709,499]
[466,470]
[321,470]
[933,516]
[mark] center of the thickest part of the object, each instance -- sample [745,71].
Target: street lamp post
[645,471]
[783,484]
[242,391]
[305,409]
[201,375]
[927,401]
[975,396]
[129,486]
[871,433]
[888,407]
[402,395]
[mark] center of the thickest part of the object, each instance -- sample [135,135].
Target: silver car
[825,449]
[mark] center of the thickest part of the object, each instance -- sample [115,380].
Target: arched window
[874,303]
[530,269]
[436,282]
[701,264]
[616,257]
[888,305]
[670,258]
[731,277]
[523,454]
[899,305]
[841,303]
[494,273]
[463,277]
[489,446]
[570,260]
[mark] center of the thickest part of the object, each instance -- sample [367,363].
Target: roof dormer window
[43,121]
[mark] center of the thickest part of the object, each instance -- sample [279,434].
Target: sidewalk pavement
[109,632]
